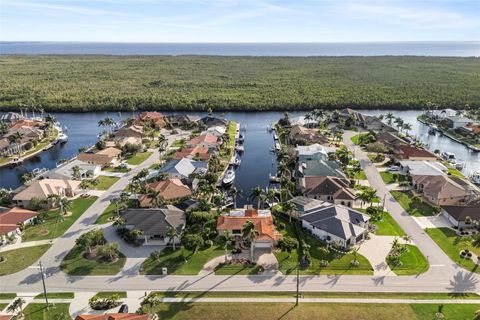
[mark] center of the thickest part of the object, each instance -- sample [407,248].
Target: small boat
[47,147]
[448,156]
[277,146]
[239,148]
[16,161]
[459,165]
[62,138]
[274,179]
[475,177]
[236,162]
[229,176]
[275,137]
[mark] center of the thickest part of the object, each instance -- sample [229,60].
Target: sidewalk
[19,245]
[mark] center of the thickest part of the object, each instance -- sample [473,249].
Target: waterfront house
[197,152]
[301,121]
[208,141]
[12,220]
[210,121]
[28,133]
[326,188]
[103,160]
[441,114]
[426,168]
[408,152]
[11,117]
[318,168]
[170,189]
[304,205]
[66,171]
[176,120]
[472,129]
[462,216]
[113,316]
[134,131]
[441,189]
[111,152]
[183,168]
[218,131]
[303,135]
[336,224]
[390,139]
[457,121]
[154,223]
[312,152]
[151,116]
[234,221]
[41,189]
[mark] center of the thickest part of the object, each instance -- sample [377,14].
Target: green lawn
[416,208]
[3,306]
[355,138]
[105,182]
[19,259]
[456,173]
[117,169]
[450,244]
[236,270]
[7,295]
[138,158]
[304,311]
[413,262]
[175,261]
[37,311]
[179,143]
[106,215]
[56,295]
[390,177]
[55,225]
[107,294]
[360,175]
[75,264]
[387,226]
[337,265]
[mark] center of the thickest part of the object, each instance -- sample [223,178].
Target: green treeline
[87,83]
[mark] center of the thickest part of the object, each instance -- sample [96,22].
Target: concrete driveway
[432,222]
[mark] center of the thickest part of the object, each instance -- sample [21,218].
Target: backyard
[19,259]
[413,205]
[138,158]
[452,245]
[55,224]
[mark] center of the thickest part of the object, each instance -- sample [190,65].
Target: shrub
[354,263]
[100,145]
[324,263]
[97,303]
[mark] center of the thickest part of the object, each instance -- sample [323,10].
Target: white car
[393,168]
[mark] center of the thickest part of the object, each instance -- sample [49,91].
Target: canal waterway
[257,161]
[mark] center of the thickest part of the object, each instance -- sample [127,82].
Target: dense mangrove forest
[92,83]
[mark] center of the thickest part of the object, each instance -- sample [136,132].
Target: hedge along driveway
[55,224]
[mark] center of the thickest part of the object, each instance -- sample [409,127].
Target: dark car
[123,309]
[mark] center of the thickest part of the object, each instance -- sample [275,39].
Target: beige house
[299,133]
[441,190]
[108,159]
[131,131]
[41,189]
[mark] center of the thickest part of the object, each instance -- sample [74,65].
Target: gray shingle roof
[184,167]
[154,221]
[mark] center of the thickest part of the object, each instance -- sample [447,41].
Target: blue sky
[239,20]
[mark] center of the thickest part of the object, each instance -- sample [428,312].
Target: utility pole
[43,282]
[298,285]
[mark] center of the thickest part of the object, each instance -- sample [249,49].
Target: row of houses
[17,132]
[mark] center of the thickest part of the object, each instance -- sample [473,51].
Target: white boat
[448,155]
[475,177]
[459,165]
[16,161]
[275,137]
[277,146]
[62,138]
[240,148]
[229,176]
[274,179]
[236,162]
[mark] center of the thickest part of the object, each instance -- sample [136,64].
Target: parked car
[393,168]
[123,309]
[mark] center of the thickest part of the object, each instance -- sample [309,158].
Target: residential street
[443,276]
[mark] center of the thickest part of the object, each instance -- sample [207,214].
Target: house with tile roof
[218,131]
[336,224]
[327,188]
[303,135]
[112,316]
[155,223]
[462,216]
[134,131]
[41,189]
[208,141]
[390,139]
[234,221]
[181,119]
[408,152]
[181,168]
[441,190]
[11,220]
[170,189]
[197,152]
[151,116]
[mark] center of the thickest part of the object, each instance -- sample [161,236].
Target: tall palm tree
[171,234]
[15,137]
[65,205]
[272,195]
[155,198]
[249,234]
[389,118]
[234,192]
[407,127]
[227,239]
[76,172]
[17,304]
[288,208]
[255,194]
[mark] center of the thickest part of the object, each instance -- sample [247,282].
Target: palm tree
[249,233]
[407,127]
[15,137]
[17,304]
[272,195]
[119,222]
[149,304]
[389,118]
[227,239]
[288,208]
[155,198]
[234,192]
[76,172]
[84,185]
[65,205]
[171,234]
[255,194]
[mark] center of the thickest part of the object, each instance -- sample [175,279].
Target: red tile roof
[208,138]
[263,224]
[199,151]
[11,219]
[112,316]
[169,189]
[407,152]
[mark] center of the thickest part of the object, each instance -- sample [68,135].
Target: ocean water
[447,48]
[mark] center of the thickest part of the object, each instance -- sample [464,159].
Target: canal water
[257,161]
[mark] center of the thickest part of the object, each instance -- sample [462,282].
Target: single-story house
[11,220]
[28,133]
[318,168]
[312,152]
[183,168]
[326,188]
[301,121]
[390,139]
[457,121]
[66,171]
[210,121]
[98,159]
[181,119]
[130,131]
[188,204]
[304,205]
[408,152]
[41,189]
[459,215]
[156,117]
[154,223]
[209,141]
[441,114]
[441,190]
[198,152]
[337,223]
[472,129]
[112,316]
[216,131]
[425,168]
[170,189]
[234,221]
[11,117]
[111,152]
[303,134]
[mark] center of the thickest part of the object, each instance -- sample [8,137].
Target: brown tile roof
[16,216]
[407,152]
[208,138]
[45,187]
[390,138]
[96,158]
[298,132]
[475,128]
[263,224]
[112,316]
[111,152]
[440,186]
[169,189]
[338,188]
[202,153]
[157,117]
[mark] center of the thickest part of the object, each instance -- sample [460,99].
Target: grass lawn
[355,138]
[416,208]
[117,169]
[413,262]
[390,177]
[3,306]
[109,212]
[138,158]
[450,244]
[19,259]
[75,264]
[337,265]
[55,225]
[330,311]
[175,261]
[236,269]
[37,311]
[105,182]
[56,295]
[360,175]
[7,295]
[108,294]
[456,173]
[179,143]
[387,226]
